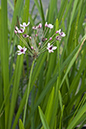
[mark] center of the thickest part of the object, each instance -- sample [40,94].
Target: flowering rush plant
[37,43]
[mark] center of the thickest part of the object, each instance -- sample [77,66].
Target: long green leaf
[77,117]
[72,61]
[21,126]
[43,119]
[18,70]
[49,111]
[26,11]
[5,54]
[2,126]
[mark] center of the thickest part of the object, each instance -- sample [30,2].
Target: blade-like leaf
[43,119]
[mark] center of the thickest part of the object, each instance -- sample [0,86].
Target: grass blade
[77,117]
[21,126]
[5,54]
[43,119]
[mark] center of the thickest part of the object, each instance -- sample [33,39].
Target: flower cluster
[37,42]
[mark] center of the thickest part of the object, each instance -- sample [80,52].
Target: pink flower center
[50,48]
[22,50]
[21,30]
[61,33]
[24,35]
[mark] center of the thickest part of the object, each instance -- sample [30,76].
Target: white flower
[46,25]
[21,30]
[17,30]
[62,34]
[50,26]
[24,24]
[34,27]
[58,31]
[25,35]
[21,50]
[50,48]
[40,25]
[58,38]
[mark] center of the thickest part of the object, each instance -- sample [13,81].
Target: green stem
[28,91]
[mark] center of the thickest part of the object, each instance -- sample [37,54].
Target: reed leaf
[5,54]
[43,119]
[21,126]
[18,70]
[77,117]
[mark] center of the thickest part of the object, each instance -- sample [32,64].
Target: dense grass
[47,92]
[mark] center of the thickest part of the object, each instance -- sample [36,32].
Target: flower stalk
[28,91]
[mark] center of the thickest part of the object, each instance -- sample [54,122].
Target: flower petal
[16,28]
[46,25]
[19,47]
[58,31]
[40,25]
[28,23]
[62,34]
[25,49]
[51,51]
[19,53]
[21,25]
[50,26]
[48,45]
[24,24]
[15,31]
[25,35]
[54,48]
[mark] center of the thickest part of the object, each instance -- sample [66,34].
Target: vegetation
[48,91]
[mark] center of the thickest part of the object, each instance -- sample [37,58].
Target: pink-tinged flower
[46,25]
[50,38]
[40,25]
[39,43]
[58,38]
[36,35]
[50,26]
[21,50]
[15,31]
[62,34]
[25,35]
[30,37]
[24,24]
[21,30]
[58,31]
[32,47]
[16,28]
[45,38]
[50,48]
[34,27]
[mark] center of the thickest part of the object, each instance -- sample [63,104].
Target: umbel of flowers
[37,42]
